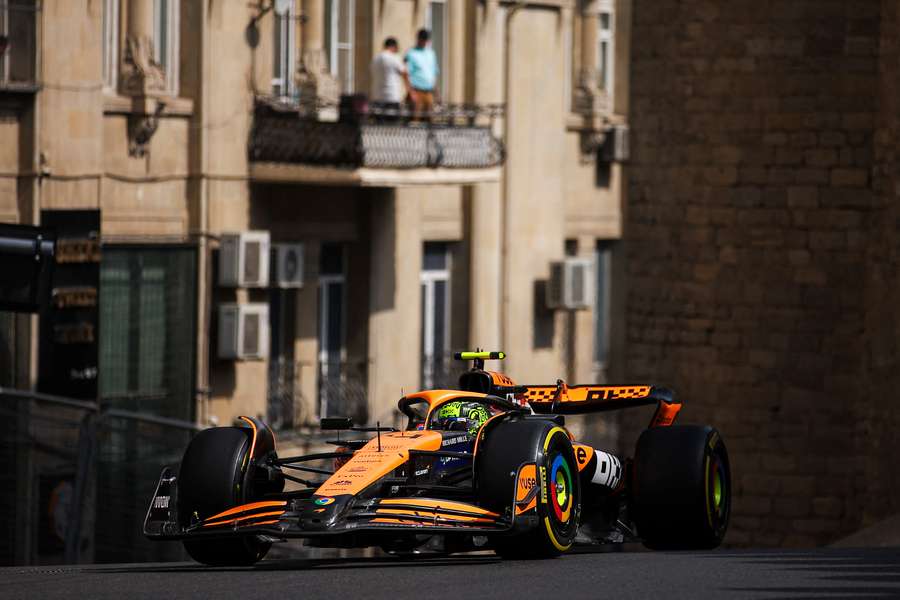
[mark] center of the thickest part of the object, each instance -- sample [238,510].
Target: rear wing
[563,399]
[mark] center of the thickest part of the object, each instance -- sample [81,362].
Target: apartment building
[158,129]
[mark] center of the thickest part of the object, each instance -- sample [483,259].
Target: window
[165,41]
[19,42]
[284,56]
[332,330]
[339,15]
[110,43]
[603,262]
[606,47]
[147,327]
[282,372]
[435,281]
[436,21]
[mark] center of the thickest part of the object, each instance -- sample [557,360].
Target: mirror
[335,423]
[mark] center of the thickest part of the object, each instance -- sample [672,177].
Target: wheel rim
[561,492]
[717,491]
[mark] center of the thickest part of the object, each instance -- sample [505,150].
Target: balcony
[18,46]
[375,146]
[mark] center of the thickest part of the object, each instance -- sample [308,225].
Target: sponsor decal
[455,440]
[161,502]
[608,472]
[422,472]
[581,455]
[342,482]
[543,487]
[324,501]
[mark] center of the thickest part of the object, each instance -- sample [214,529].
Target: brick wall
[759,198]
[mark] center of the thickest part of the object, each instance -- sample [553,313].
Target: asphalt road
[825,573]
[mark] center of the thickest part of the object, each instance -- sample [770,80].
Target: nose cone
[322,512]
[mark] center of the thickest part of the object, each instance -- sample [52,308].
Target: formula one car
[487,466]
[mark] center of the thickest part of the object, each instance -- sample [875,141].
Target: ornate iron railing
[451,136]
[441,373]
[343,390]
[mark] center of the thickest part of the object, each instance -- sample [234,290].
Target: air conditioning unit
[243,331]
[287,265]
[244,259]
[616,145]
[571,284]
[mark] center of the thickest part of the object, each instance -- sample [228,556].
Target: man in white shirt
[390,80]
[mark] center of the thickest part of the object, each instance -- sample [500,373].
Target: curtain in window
[147,325]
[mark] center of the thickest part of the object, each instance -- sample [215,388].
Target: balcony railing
[440,372]
[342,390]
[451,136]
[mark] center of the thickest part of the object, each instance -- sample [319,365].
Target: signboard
[69,333]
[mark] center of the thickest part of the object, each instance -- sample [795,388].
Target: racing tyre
[209,482]
[554,521]
[681,496]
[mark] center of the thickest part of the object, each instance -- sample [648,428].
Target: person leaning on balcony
[422,64]
[389,78]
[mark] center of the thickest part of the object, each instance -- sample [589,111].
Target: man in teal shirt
[422,66]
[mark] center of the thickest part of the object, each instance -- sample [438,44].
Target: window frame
[325,280]
[110,44]
[606,73]
[428,278]
[171,52]
[444,54]
[284,57]
[333,46]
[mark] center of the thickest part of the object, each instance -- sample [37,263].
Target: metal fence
[78,480]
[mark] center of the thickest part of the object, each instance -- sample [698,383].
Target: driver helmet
[461,416]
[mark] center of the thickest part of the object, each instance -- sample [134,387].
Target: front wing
[322,516]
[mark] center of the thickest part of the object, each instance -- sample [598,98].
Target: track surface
[828,573]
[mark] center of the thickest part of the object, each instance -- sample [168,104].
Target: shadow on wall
[544,326]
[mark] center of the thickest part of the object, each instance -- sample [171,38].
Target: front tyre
[209,482]
[507,447]
[682,488]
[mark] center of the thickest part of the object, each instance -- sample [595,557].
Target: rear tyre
[209,482]
[504,449]
[681,496]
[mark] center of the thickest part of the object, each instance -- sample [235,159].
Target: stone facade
[163,153]
[762,249]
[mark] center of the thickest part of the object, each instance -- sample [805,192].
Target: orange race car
[489,465]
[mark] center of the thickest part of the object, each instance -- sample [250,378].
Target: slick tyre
[555,519]
[681,497]
[209,482]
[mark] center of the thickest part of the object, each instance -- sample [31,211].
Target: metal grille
[452,137]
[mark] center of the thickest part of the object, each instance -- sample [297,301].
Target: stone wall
[754,204]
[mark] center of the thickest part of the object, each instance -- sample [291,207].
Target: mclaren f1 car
[489,465]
